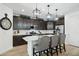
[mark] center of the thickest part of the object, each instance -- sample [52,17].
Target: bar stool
[42,46]
[62,42]
[54,44]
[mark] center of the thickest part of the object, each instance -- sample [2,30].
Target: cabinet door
[60,21]
[17,23]
[17,41]
[20,23]
[50,25]
[26,24]
[42,25]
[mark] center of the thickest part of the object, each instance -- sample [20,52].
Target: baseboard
[73,45]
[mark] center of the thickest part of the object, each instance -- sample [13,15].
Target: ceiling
[63,8]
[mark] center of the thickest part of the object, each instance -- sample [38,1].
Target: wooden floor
[22,51]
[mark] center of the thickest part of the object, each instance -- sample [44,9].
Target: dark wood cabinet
[20,23]
[17,40]
[60,21]
[50,25]
[24,24]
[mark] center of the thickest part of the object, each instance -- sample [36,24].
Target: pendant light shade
[49,15]
[36,12]
[56,18]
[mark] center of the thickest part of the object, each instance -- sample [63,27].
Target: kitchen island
[18,38]
[30,40]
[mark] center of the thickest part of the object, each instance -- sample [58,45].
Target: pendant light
[36,12]
[49,16]
[56,18]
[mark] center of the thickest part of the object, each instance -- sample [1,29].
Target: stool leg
[64,47]
[33,51]
[57,50]
[51,52]
[40,53]
[47,52]
[60,48]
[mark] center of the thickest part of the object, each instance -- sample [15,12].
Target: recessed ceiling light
[22,10]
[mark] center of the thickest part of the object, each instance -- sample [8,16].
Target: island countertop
[31,34]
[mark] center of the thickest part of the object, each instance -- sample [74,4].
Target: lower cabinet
[17,40]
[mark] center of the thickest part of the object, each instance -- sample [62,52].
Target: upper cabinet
[50,25]
[20,23]
[25,24]
[60,21]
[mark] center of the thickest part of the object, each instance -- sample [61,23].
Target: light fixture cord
[36,10]
[48,8]
[36,5]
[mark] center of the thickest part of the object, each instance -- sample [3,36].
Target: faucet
[39,32]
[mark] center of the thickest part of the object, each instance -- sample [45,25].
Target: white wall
[72,28]
[5,35]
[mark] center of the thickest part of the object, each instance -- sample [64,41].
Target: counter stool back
[62,42]
[42,46]
[54,44]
